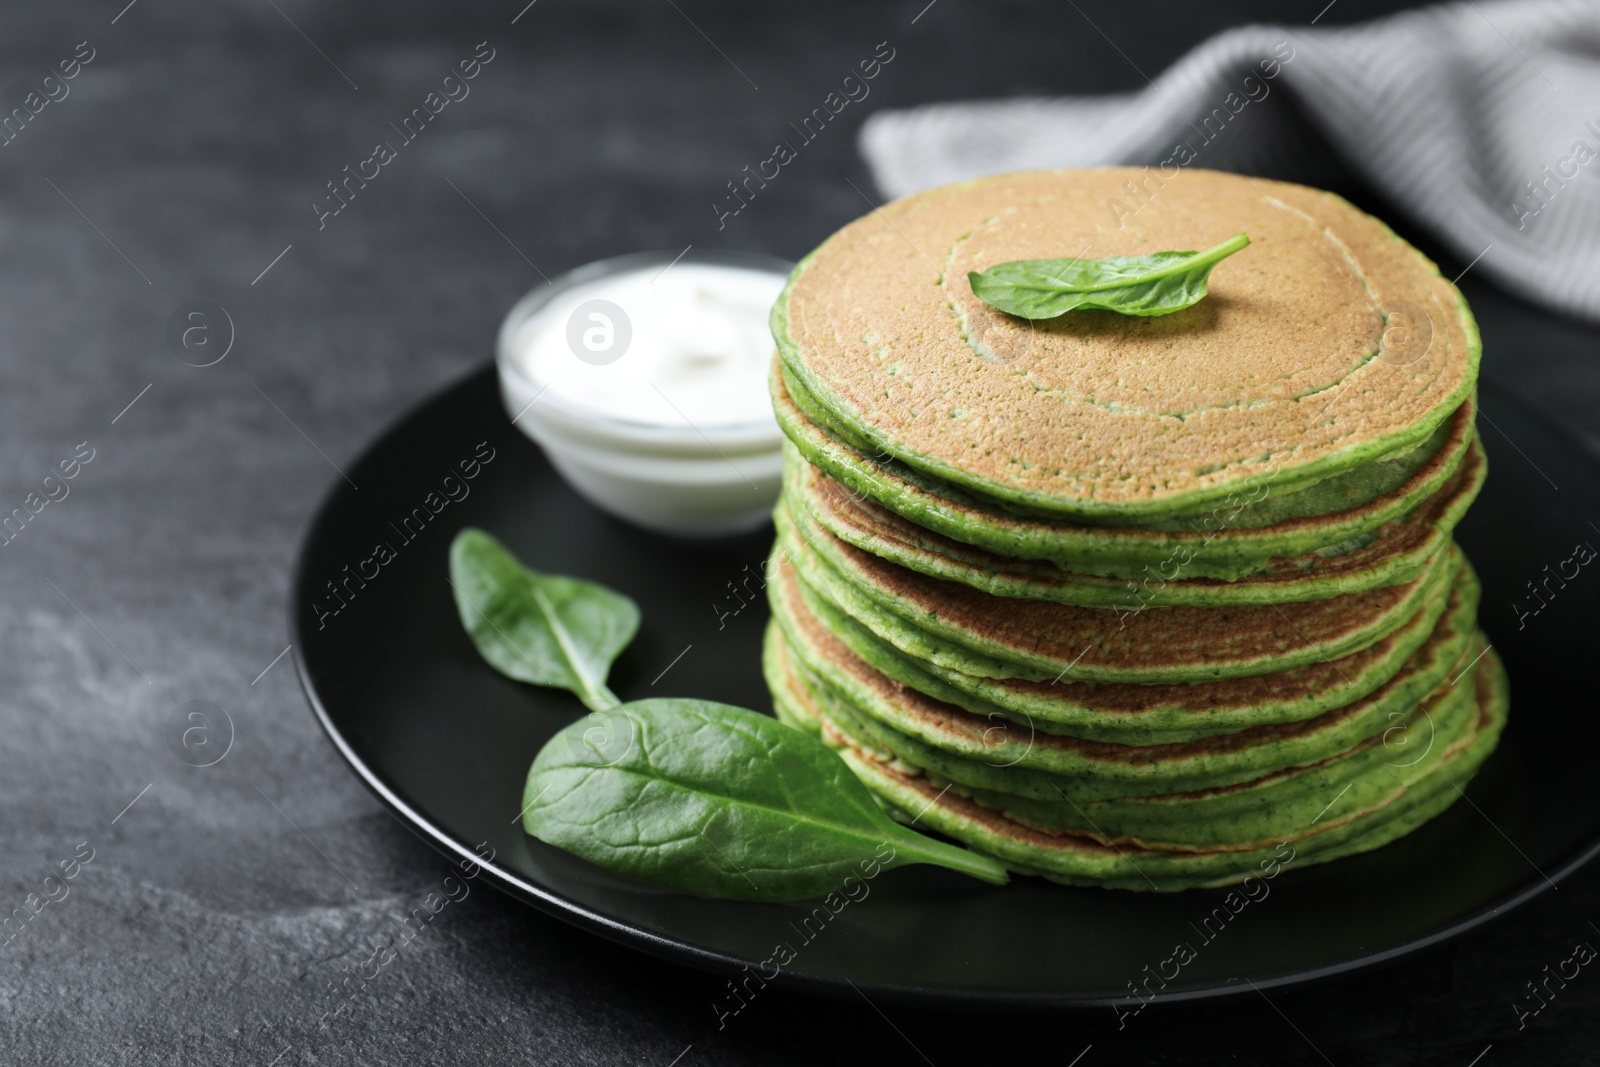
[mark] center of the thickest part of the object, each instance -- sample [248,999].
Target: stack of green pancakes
[1139,602]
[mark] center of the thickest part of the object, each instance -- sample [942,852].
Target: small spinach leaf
[717,800]
[1157,284]
[546,629]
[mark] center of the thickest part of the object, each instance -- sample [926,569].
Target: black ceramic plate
[445,741]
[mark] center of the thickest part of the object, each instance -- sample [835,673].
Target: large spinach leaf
[717,800]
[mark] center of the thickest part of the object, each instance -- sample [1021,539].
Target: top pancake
[1327,343]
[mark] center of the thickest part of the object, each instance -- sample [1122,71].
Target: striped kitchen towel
[1479,120]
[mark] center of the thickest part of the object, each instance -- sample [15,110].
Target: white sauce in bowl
[694,346]
[644,380]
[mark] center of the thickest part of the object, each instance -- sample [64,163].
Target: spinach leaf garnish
[540,628]
[721,801]
[696,796]
[1157,284]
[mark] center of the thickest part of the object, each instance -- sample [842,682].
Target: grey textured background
[222,910]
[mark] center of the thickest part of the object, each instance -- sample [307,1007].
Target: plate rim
[678,950]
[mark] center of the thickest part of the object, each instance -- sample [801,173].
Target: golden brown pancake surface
[1276,373]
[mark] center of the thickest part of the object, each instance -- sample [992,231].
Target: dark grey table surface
[224,907]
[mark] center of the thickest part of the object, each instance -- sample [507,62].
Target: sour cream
[683,343]
[644,378]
